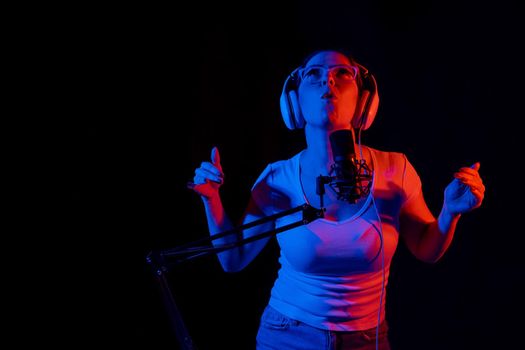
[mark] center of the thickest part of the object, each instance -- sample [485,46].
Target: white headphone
[366,108]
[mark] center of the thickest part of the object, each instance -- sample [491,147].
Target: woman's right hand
[208,177]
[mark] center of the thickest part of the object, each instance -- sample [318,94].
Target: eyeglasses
[315,74]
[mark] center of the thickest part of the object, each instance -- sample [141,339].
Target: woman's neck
[318,156]
[318,153]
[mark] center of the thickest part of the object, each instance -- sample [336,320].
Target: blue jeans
[279,332]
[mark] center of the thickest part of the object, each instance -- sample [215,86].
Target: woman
[329,293]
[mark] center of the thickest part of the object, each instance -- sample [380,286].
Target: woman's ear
[368,102]
[289,102]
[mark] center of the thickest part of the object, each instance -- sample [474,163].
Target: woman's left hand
[466,191]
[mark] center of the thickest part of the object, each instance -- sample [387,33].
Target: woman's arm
[429,238]
[207,181]
[235,259]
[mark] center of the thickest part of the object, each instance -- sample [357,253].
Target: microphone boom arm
[159,260]
[191,250]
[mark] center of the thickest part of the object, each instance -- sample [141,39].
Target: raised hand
[209,176]
[466,191]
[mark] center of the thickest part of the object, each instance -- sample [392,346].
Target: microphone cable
[381,246]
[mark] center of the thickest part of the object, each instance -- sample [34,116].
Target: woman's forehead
[328,58]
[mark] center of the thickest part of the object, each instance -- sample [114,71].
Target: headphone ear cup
[289,103]
[366,109]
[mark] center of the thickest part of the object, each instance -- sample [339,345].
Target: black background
[146,92]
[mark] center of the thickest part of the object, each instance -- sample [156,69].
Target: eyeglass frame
[326,69]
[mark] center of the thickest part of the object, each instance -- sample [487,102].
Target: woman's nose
[328,79]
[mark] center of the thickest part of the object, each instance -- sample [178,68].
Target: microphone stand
[162,260]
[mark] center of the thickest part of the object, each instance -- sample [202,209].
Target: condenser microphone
[343,170]
[349,177]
